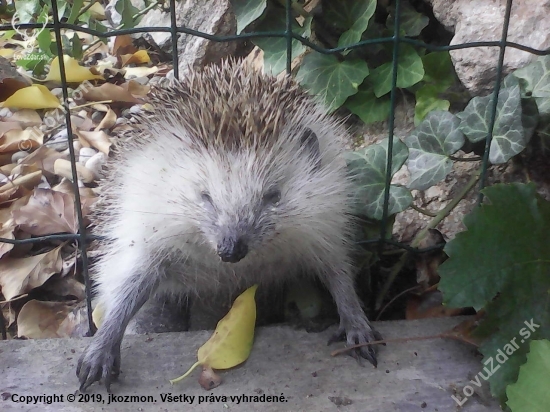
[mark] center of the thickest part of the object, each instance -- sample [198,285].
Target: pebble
[135,109]
[5,112]
[95,164]
[85,154]
[17,156]
[98,116]
[59,141]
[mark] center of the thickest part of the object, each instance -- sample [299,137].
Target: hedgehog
[231,178]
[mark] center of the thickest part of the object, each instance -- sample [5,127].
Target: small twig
[423,211]
[394,299]
[90,104]
[384,341]
[449,334]
[466,159]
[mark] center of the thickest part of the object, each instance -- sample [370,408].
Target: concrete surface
[411,376]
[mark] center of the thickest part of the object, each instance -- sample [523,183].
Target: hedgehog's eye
[272,196]
[206,198]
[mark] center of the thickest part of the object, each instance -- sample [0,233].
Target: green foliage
[509,137]
[534,81]
[530,393]
[502,263]
[349,21]
[410,71]
[430,145]
[246,11]
[367,106]
[438,77]
[368,168]
[275,49]
[351,15]
[412,22]
[127,12]
[330,79]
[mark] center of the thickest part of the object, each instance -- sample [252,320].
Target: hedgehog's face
[235,231]
[244,203]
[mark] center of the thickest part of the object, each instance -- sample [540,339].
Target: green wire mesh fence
[396,40]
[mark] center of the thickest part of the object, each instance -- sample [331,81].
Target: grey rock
[208,16]
[482,20]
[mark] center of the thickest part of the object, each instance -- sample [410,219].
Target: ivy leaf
[508,135]
[428,100]
[410,71]
[535,77]
[535,83]
[368,169]
[44,39]
[412,22]
[76,50]
[75,11]
[26,9]
[491,253]
[367,106]
[246,11]
[275,49]
[438,69]
[502,263]
[333,81]
[430,145]
[361,13]
[533,382]
[127,12]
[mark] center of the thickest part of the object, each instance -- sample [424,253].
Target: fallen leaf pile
[41,285]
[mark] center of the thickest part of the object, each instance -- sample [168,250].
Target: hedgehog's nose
[232,250]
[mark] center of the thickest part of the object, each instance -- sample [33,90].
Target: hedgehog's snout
[232,249]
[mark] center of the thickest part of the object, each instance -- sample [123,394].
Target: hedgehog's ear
[310,146]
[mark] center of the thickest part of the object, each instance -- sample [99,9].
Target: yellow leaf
[74,72]
[7,53]
[32,97]
[231,343]
[141,56]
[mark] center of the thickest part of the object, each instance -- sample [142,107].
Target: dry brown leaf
[109,91]
[62,167]
[47,212]
[20,181]
[98,139]
[136,88]
[123,44]
[8,194]
[15,140]
[41,320]
[66,286]
[26,117]
[6,232]
[108,121]
[43,158]
[9,313]
[18,276]
[30,175]
[87,196]
[7,126]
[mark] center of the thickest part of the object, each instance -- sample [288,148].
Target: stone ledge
[411,376]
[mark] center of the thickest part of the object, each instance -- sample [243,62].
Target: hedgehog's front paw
[356,333]
[98,362]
